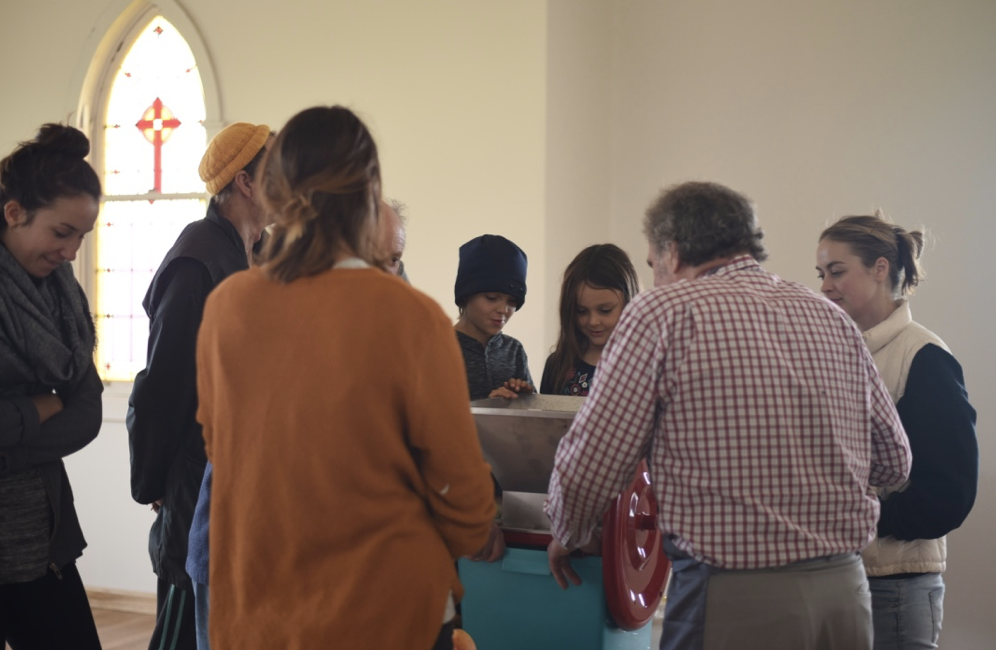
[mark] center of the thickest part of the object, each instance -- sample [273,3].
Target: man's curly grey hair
[703,222]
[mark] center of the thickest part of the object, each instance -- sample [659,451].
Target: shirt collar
[226,226]
[882,334]
[350,263]
[739,263]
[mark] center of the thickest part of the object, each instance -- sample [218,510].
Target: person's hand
[594,545]
[560,565]
[520,386]
[462,640]
[48,404]
[512,388]
[156,505]
[494,549]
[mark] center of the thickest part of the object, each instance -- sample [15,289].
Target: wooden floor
[130,631]
[122,630]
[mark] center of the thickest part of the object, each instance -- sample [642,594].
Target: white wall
[116,528]
[453,91]
[555,123]
[578,143]
[819,110]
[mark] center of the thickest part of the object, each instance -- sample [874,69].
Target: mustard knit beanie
[229,152]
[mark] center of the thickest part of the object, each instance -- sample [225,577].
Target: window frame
[111,39]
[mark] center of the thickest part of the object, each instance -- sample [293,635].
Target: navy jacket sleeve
[66,432]
[163,403]
[940,424]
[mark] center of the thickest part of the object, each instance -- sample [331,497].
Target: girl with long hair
[598,283]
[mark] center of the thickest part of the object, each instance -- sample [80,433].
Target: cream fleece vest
[893,343]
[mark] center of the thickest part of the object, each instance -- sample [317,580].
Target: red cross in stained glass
[157,126]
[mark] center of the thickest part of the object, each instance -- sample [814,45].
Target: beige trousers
[821,604]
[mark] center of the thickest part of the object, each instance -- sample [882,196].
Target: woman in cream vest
[867,266]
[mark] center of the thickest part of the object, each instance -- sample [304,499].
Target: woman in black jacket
[49,389]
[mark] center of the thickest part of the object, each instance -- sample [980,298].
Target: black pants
[50,613]
[175,625]
[445,640]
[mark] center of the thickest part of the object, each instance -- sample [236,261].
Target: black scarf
[46,333]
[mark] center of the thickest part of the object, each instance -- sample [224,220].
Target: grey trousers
[819,604]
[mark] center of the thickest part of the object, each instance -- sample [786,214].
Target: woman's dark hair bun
[50,166]
[58,138]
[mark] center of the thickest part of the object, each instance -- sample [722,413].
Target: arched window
[149,130]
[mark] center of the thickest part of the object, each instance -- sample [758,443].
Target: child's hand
[519,386]
[512,388]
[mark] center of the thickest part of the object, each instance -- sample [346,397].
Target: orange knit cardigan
[347,470]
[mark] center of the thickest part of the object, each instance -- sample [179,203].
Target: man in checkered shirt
[765,424]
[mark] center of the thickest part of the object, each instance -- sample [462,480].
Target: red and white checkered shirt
[761,413]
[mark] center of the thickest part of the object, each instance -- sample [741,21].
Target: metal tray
[519,437]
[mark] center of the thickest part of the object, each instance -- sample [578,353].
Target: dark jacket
[45,445]
[26,443]
[490,366]
[167,448]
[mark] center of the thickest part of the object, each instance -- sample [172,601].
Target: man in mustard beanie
[167,448]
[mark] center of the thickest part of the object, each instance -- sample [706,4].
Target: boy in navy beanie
[490,287]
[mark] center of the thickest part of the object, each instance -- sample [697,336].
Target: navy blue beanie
[491,263]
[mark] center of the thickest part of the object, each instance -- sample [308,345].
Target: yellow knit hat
[229,152]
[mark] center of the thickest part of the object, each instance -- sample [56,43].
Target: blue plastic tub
[515,604]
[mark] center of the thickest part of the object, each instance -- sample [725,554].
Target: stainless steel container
[519,438]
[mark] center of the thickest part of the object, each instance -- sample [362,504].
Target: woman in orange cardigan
[347,471]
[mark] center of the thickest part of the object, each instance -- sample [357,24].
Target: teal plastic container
[515,604]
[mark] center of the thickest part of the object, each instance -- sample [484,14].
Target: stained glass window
[154,138]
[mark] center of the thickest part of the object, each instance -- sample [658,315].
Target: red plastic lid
[520,538]
[634,567]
